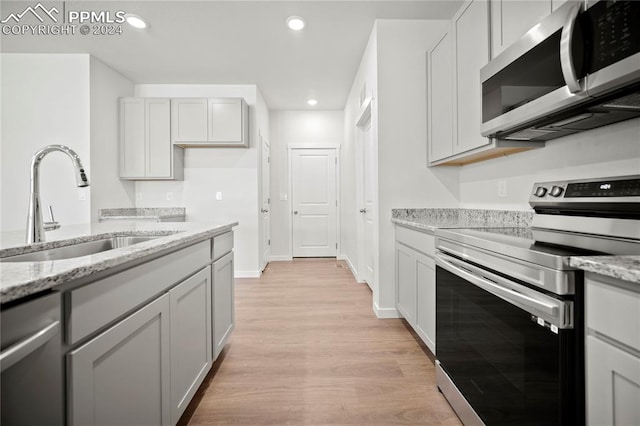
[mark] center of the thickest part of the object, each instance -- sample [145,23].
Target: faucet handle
[49,226]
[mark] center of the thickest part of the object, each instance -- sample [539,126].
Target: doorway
[314,205]
[265,202]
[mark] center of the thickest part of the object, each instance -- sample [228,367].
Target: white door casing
[265,202]
[313,174]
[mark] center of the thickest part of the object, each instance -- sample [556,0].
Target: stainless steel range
[509,316]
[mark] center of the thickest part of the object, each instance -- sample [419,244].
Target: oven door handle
[553,311]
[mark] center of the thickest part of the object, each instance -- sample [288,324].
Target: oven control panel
[622,188]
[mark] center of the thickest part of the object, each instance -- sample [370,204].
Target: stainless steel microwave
[576,70]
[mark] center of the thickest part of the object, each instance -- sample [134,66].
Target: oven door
[508,349]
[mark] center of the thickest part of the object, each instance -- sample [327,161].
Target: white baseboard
[354,271]
[246,274]
[280,258]
[385,312]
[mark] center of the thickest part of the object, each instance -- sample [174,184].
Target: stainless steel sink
[78,250]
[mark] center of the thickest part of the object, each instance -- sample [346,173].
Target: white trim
[385,312]
[317,145]
[354,271]
[246,274]
[280,258]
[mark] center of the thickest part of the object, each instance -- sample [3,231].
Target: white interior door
[265,205]
[367,210]
[314,205]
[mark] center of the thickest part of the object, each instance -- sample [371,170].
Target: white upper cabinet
[189,119]
[471,31]
[510,20]
[210,122]
[146,151]
[440,108]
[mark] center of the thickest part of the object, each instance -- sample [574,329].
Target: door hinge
[336,203]
[268,159]
[268,242]
[336,246]
[268,200]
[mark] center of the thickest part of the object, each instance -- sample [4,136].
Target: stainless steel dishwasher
[31,364]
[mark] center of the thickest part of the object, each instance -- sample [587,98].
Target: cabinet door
[613,385]
[191,349]
[441,99]
[426,300]
[158,138]
[406,283]
[132,137]
[189,119]
[510,20]
[223,300]
[122,375]
[471,27]
[225,120]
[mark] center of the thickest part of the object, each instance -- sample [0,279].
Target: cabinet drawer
[417,240]
[101,302]
[613,309]
[222,244]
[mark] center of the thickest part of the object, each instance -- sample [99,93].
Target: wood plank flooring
[308,350]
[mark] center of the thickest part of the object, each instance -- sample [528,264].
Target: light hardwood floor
[308,350]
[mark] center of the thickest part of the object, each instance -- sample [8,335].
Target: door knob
[264,210]
[295,212]
[363,210]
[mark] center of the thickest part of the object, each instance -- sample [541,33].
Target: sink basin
[77,250]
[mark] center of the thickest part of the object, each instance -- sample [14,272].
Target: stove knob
[556,191]
[540,191]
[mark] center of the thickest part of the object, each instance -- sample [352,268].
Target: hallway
[307,349]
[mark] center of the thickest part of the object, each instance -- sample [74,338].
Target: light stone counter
[157,214]
[625,268]
[429,220]
[20,279]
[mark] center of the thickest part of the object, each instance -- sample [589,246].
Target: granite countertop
[141,213]
[20,279]
[625,268]
[431,219]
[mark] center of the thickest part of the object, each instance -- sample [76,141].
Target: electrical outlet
[138,196]
[502,188]
[218,195]
[169,196]
[82,194]
[283,196]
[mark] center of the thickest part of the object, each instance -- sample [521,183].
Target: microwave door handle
[566,51]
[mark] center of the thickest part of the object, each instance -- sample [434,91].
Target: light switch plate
[82,194]
[169,196]
[283,197]
[502,188]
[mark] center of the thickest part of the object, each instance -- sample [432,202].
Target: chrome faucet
[35,228]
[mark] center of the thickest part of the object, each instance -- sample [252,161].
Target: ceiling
[236,42]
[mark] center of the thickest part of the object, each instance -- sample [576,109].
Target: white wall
[45,100]
[351,167]
[232,171]
[299,127]
[403,176]
[394,69]
[607,151]
[107,190]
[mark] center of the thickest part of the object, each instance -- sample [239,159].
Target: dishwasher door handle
[20,350]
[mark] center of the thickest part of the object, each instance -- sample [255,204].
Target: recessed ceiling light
[312,102]
[135,21]
[296,23]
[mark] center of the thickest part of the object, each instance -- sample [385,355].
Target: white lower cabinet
[191,351]
[426,300]
[416,282]
[406,283]
[122,376]
[223,299]
[612,314]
